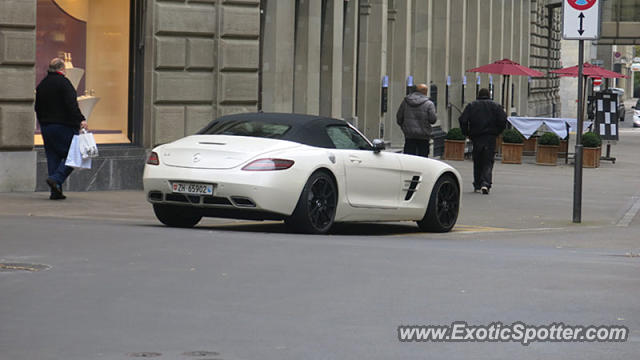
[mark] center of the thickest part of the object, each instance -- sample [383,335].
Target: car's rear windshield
[248,128]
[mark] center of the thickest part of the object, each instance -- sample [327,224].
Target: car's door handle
[355,159]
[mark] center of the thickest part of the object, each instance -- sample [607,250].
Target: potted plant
[591,150]
[454,143]
[547,153]
[512,146]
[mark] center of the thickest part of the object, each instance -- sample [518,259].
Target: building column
[525,46]
[421,40]
[516,51]
[507,33]
[399,66]
[484,39]
[497,20]
[472,47]
[372,65]
[277,62]
[438,57]
[331,60]
[17,71]
[306,94]
[456,55]
[350,62]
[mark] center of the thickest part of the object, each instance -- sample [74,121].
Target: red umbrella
[589,70]
[507,68]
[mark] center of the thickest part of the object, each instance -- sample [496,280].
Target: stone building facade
[546,36]
[193,60]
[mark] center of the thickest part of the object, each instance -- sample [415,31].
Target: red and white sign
[597,81]
[581,19]
[581,5]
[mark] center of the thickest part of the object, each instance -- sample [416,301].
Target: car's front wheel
[444,204]
[316,206]
[176,216]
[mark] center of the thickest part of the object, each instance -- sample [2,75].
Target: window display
[92,36]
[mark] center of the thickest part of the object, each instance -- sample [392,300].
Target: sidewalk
[525,196]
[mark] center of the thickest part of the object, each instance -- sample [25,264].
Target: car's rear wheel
[316,206]
[176,216]
[444,204]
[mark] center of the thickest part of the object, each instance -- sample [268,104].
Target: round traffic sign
[597,81]
[581,5]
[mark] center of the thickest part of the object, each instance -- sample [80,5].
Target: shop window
[93,37]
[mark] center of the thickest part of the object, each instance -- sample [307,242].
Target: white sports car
[309,171]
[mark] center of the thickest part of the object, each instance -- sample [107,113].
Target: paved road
[120,284]
[254,292]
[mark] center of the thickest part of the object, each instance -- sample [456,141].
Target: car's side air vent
[413,185]
[243,201]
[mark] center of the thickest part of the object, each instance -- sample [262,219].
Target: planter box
[512,153]
[529,146]
[454,149]
[547,155]
[591,157]
[564,149]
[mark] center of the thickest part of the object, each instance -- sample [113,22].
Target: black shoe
[55,196]
[485,190]
[56,191]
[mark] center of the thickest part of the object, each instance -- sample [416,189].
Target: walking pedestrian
[482,121]
[60,118]
[415,116]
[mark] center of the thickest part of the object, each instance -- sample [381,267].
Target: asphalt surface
[121,286]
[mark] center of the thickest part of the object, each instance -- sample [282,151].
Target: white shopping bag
[87,143]
[74,156]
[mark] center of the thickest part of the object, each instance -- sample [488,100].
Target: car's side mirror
[378,145]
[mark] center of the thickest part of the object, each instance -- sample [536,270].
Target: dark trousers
[418,147]
[484,150]
[57,139]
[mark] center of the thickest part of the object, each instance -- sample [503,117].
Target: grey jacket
[415,116]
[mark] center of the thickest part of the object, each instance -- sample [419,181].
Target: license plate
[192,188]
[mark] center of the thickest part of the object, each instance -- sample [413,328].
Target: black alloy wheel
[444,205]
[316,208]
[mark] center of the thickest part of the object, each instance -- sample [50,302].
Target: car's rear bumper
[238,191]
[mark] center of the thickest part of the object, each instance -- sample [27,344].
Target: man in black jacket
[60,118]
[482,121]
[415,116]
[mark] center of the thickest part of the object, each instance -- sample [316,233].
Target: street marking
[630,214]
[474,228]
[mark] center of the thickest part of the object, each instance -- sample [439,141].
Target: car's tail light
[268,165]
[153,159]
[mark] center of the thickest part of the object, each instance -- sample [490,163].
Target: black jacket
[483,117]
[415,116]
[56,102]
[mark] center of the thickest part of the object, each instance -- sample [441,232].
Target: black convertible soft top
[303,129]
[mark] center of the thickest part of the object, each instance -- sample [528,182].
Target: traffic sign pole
[580,21]
[577,169]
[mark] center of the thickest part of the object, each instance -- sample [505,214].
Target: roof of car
[304,129]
